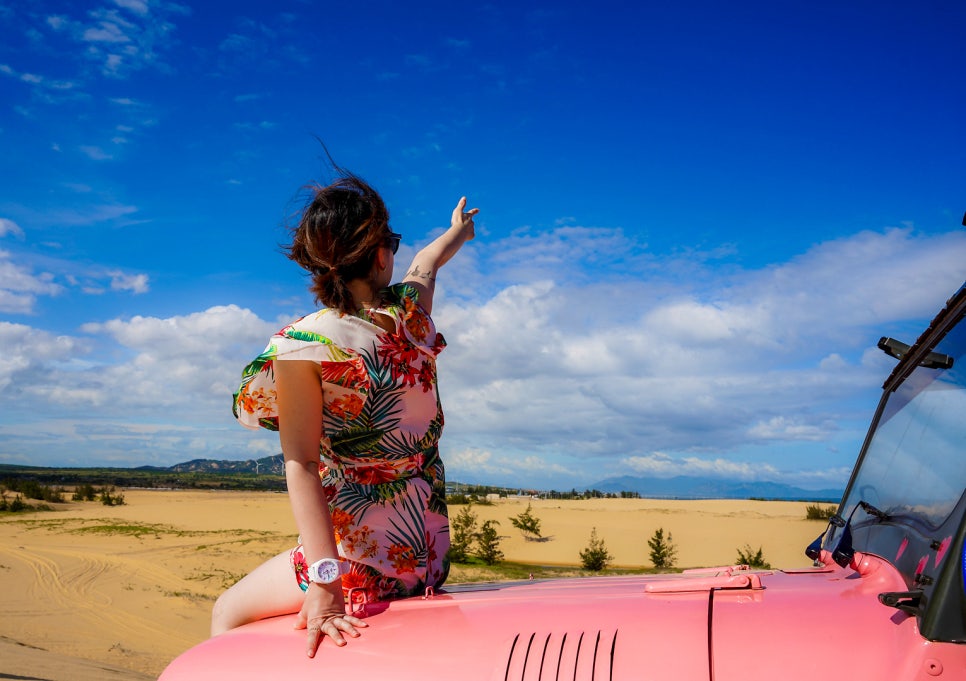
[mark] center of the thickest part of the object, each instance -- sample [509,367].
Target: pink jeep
[886,598]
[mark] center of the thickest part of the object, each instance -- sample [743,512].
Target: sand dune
[95,592]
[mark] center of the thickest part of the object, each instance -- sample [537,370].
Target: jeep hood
[721,624]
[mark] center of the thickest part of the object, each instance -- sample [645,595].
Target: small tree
[85,492]
[753,560]
[663,551]
[488,543]
[816,512]
[462,534]
[595,557]
[527,523]
[110,498]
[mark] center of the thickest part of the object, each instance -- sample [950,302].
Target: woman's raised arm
[422,272]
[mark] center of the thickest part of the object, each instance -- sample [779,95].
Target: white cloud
[138,7]
[14,302]
[19,286]
[57,22]
[95,153]
[110,29]
[662,465]
[782,428]
[198,357]
[79,213]
[122,36]
[38,80]
[10,228]
[869,278]
[121,281]
[28,353]
[79,187]
[263,125]
[530,255]
[478,464]
[157,389]
[21,283]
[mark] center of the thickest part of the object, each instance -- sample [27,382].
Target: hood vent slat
[561,656]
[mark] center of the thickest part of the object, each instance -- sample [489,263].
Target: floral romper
[379,460]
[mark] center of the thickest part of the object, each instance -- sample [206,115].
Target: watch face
[325,571]
[328,571]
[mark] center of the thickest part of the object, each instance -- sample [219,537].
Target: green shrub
[752,559]
[111,497]
[462,534]
[527,523]
[816,512]
[488,543]
[663,551]
[84,492]
[595,557]
[31,489]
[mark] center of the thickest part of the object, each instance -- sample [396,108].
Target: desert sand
[97,592]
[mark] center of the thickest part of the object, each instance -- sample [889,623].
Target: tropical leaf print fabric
[379,457]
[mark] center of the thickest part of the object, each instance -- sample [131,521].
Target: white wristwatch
[327,570]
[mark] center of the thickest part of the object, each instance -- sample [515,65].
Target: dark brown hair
[337,235]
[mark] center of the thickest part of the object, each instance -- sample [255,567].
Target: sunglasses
[393,241]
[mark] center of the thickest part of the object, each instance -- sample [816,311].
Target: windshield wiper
[908,602]
[843,552]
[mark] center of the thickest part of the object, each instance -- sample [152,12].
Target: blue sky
[696,219]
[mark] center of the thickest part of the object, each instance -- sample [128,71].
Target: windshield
[915,465]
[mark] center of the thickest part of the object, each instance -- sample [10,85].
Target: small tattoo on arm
[416,273]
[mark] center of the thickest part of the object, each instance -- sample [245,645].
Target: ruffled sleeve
[314,338]
[416,325]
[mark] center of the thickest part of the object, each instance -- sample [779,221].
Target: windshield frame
[908,382]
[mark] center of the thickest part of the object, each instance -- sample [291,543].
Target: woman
[352,392]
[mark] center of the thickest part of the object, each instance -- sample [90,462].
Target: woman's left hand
[463,220]
[323,614]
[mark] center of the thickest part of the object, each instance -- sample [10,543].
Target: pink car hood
[720,624]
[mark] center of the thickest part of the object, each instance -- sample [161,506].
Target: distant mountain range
[266,465]
[681,487]
[690,487]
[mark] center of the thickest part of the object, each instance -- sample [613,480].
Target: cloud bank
[567,363]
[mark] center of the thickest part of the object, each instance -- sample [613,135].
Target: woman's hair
[337,235]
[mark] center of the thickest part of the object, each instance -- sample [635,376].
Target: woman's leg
[269,590]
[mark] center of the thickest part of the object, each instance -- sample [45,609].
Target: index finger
[313,640]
